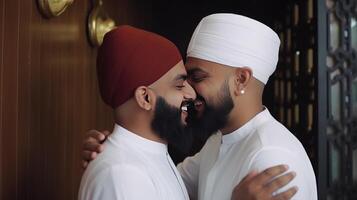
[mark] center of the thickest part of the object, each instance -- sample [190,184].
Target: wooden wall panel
[49,96]
[24,101]
[2,19]
[10,100]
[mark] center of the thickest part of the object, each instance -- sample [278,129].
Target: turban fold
[236,41]
[130,57]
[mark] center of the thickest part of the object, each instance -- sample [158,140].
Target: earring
[242,91]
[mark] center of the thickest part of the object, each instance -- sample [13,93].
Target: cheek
[205,90]
[209,94]
[174,99]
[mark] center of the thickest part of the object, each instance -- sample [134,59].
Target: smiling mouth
[186,111]
[198,103]
[199,106]
[188,106]
[184,107]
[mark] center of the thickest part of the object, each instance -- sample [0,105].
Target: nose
[189,92]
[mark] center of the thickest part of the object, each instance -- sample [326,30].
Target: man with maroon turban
[142,77]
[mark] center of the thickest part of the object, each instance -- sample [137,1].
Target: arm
[189,170]
[119,182]
[271,156]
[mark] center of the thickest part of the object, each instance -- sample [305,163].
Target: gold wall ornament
[99,23]
[53,8]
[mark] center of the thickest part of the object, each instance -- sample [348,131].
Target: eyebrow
[195,70]
[180,77]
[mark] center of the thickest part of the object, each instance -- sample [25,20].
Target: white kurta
[261,143]
[132,168]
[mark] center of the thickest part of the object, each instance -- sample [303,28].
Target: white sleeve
[189,170]
[122,182]
[272,156]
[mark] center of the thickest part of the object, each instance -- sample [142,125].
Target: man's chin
[185,123]
[169,123]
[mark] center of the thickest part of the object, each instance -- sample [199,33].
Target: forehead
[196,63]
[204,65]
[178,69]
[172,74]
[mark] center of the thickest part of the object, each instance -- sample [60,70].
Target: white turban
[236,41]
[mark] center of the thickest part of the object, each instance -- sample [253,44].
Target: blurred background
[49,96]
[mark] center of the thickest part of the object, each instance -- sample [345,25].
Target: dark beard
[213,118]
[167,124]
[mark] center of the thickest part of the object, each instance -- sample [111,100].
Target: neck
[240,115]
[136,121]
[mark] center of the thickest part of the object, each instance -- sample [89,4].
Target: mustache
[200,98]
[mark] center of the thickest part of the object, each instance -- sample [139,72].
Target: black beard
[167,124]
[213,118]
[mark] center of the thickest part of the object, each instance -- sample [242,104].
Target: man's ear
[144,98]
[242,77]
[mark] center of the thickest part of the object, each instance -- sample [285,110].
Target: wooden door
[49,96]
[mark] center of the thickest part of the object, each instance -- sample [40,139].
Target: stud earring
[242,91]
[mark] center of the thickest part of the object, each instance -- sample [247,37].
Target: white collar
[247,128]
[121,134]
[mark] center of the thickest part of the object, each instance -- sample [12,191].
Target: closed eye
[197,79]
[197,75]
[180,81]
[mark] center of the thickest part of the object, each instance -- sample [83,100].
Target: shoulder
[118,156]
[305,178]
[118,182]
[273,143]
[273,133]
[268,156]
[118,173]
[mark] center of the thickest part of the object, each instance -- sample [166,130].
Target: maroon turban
[129,58]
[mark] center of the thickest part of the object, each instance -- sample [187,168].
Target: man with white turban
[229,60]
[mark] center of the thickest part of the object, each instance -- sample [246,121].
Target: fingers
[287,194]
[268,174]
[280,182]
[84,164]
[96,135]
[93,141]
[262,185]
[92,146]
[88,155]
[106,133]
[248,177]
[245,188]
